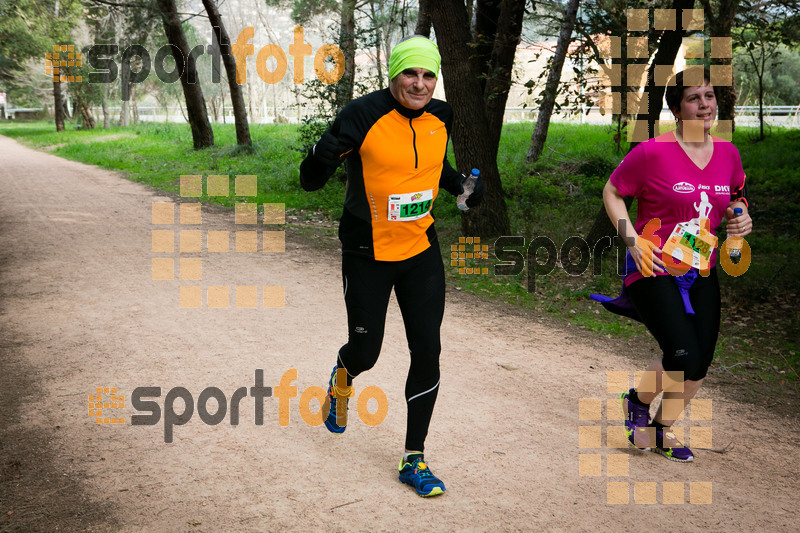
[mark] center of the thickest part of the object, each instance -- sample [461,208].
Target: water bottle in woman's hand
[468,186]
[736,242]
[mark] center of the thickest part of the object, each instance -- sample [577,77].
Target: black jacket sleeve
[450,179]
[313,174]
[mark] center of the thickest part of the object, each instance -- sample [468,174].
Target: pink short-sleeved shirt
[671,187]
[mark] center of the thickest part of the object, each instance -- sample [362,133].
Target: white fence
[786,116]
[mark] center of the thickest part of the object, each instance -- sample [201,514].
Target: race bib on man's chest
[410,206]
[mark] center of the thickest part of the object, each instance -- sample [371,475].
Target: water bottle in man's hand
[468,186]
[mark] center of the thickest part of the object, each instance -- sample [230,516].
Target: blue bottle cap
[475,172]
[737,211]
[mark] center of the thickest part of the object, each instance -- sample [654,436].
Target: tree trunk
[125,88]
[471,131]
[720,25]
[202,134]
[347,42]
[134,106]
[668,47]
[424,19]
[487,15]
[377,45]
[87,117]
[58,106]
[237,100]
[495,96]
[551,87]
[106,114]
[761,100]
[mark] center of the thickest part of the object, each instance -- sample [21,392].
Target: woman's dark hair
[675,88]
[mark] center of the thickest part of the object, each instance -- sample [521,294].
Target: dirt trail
[80,310]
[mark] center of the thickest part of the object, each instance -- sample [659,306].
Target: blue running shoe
[335,392]
[668,445]
[637,417]
[418,475]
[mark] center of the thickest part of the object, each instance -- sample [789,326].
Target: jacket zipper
[414,144]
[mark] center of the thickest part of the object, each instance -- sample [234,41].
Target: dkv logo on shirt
[683,187]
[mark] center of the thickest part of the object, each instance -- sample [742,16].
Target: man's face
[413,87]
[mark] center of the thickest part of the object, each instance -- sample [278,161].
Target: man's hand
[476,196]
[327,151]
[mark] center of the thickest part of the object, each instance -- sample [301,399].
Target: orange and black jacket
[390,150]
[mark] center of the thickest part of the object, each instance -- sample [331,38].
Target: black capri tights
[418,283]
[687,341]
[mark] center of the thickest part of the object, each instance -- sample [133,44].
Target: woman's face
[698,103]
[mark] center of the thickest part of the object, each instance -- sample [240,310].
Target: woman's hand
[644,254]
[740,226]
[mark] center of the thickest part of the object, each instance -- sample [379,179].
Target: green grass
[158,154]
[557,197]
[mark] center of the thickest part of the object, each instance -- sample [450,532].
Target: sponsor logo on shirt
[683,187]
[722,189]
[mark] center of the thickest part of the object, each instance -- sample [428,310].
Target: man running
[394,142]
